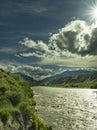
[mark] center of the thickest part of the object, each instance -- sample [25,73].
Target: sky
[42,38]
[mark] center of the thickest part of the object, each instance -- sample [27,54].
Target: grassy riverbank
[17,105]
[91,85]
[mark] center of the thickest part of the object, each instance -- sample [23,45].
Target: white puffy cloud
[39,45]
[30,54]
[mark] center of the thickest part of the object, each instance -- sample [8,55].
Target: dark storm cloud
[92,48]
[76,37]
[69,38]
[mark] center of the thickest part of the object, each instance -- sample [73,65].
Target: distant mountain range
[75,79]
[66,76]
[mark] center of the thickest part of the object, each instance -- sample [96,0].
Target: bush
[26,113]
[50,128]
[3,89]
[4,115]
[15,98]
[26,110]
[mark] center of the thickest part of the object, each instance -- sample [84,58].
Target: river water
[67,109]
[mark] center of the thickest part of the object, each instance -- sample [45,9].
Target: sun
[92,12]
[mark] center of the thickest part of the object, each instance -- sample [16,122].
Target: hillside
[89,80]
[17,105]
[66,74]
[29,79]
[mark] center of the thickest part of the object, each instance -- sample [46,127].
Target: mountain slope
[25,77]
[75,79]
[82,80]
[66,75]
[29,79]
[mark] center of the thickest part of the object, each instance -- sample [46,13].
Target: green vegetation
[80,81]
[4,115]
[92,85]
[17,105]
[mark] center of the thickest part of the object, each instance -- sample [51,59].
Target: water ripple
[67,109]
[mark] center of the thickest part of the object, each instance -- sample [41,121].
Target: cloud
[77,37]
[74,37]
[37,49]
[36,72]
[73,45]
[92,48]
[29,54]
[76,61]
[39,45]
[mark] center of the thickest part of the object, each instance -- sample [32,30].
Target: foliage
[4,115]
[16,98]
[80,81]
[94,86]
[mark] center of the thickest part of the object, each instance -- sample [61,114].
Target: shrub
[4,115]
[26,112]
[94,86]
[15,98]
[3,89]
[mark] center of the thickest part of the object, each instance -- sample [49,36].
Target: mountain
[29,79]
[66,75]
[26,77]
[17,105]
[75,79]
[74,73]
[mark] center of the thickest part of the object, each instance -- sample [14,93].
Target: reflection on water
[67,109]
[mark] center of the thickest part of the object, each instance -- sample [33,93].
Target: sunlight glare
[92,12]
[95,13]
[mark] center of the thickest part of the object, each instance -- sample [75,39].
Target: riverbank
[88,84]
[17,104]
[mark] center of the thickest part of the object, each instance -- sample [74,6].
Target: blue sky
[44,37]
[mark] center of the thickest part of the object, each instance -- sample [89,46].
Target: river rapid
[67,109]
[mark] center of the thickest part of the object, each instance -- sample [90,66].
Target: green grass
[17,104]
[88,84]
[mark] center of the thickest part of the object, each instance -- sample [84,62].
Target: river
[67,109]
